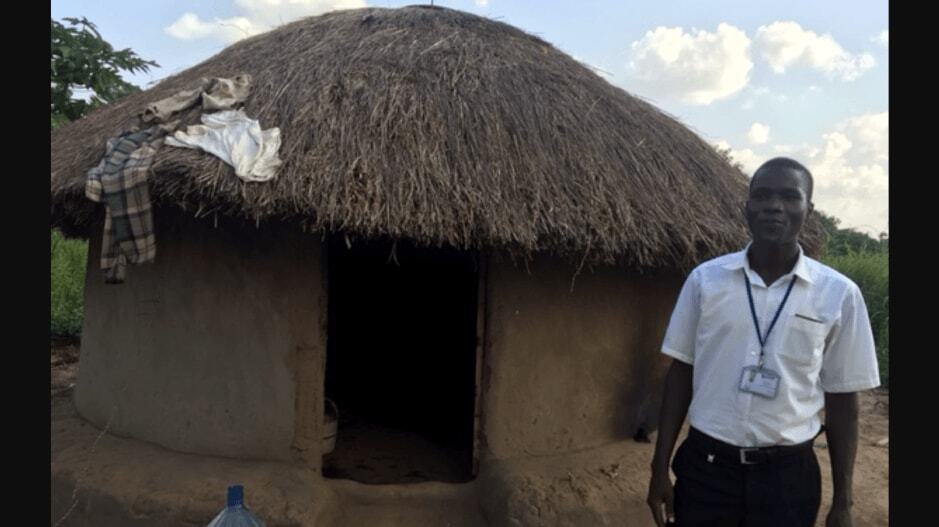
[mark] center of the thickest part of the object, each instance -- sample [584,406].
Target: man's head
[779,201]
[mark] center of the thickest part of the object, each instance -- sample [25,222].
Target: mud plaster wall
[570,370]
[199,351]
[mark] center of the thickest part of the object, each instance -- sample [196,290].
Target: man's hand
[841,428]
[674,408]
[839,516]
[662,495]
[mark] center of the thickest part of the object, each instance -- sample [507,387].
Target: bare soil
[374,454]
[64,366]
[871,467]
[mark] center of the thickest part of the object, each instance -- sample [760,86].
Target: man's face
[777,205]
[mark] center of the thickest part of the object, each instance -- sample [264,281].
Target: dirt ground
[64,367]
[376,455]
[871,469]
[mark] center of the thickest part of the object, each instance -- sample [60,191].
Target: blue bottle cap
[236,496]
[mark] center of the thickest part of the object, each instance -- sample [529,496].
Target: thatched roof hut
[443,127]
[455,139]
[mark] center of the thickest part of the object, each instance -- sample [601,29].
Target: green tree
[846,241]
[866,261]
[83,60]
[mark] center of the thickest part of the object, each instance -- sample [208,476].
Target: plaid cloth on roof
[120,179]
[120,182]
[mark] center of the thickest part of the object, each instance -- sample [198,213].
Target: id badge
[759,381]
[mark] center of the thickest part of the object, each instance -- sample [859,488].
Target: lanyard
[756,323]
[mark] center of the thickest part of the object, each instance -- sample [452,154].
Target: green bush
[870,271]
[68,281]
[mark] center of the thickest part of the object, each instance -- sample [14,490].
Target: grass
[68,284]
[870,270]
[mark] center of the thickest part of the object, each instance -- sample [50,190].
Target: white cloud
[190,27]
[747,158]
[758,134]
[481,3]
[258,16]
[883,38]
[272,13]
[786,44]
[852,173]
[850,166]
[697,67]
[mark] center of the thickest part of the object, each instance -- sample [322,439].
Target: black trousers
[715,489]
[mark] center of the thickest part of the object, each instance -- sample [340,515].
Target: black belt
[746,455]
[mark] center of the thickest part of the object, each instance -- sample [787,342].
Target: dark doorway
[400,362]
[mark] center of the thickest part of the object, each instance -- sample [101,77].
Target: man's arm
[675,402]
[849,365]
[841,428]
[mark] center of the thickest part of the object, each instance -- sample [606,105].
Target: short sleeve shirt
[822,342]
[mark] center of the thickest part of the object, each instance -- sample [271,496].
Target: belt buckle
[743,456]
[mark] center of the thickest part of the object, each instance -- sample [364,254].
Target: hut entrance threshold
[401,362]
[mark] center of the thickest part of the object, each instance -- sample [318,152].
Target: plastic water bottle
[236,514]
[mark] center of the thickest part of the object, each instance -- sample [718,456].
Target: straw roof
[445,128]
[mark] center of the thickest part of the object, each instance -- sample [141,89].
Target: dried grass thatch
[445,128]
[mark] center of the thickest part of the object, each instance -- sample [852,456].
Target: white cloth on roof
[236,139]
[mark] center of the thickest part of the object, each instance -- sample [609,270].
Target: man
[761,340]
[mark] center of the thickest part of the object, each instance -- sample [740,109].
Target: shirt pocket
[805,341]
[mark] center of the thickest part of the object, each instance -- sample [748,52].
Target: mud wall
[203,350]
[571,369]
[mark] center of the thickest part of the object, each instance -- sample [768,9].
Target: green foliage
[82,60]
[68,280]
[866,261]
[870,270]
[847,241]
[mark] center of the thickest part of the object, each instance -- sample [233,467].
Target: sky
[804,79]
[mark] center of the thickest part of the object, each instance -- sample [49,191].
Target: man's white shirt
[822,342]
